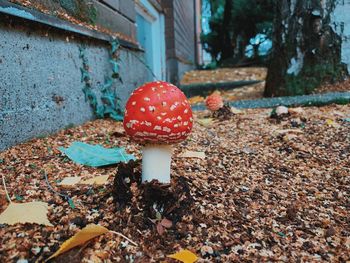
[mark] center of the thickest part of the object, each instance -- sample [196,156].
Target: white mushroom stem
[156,160]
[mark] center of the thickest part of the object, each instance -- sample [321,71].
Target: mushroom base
[224,113]
[156,160]
[144,205]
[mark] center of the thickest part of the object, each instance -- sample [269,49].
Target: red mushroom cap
[214,102]
[158,112]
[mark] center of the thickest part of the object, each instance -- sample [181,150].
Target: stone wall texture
[40,79]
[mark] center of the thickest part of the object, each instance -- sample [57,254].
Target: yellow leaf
[87,233]
[99,180]
[206,122]
[332,123]
[192,154]
[33,212]
[70,181]
[184,256]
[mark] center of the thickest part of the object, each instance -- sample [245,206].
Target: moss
[312,77]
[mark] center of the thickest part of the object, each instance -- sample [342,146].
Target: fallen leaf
[95,155]
[98,180]
[33,213]
[166,223]
[192,154]
[196,99]
[160,229]
[235,110]
[87,233]
[184,256]
[286,131]
[206,122]
[332,123]
[70,181]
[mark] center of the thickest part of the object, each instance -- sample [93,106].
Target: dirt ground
[268,190]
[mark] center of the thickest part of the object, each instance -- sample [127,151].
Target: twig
[7,193]
[121,235]
[66,197]
[53,190]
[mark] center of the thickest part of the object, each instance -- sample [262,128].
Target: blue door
[144,37]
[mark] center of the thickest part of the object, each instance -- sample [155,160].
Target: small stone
[36,250]
[280,110]
[207,250]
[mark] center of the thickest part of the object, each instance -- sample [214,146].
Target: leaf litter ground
[268,189]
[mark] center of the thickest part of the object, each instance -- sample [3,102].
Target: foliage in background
[243,21]
[107,105]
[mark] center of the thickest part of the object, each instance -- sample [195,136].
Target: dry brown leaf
[87,233]
[286,131]
[160,229]
[70,181]
[192,154]
[98,180]
[33,213]
[166,223]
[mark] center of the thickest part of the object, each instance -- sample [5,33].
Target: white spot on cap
[142,109]
[191,119]
[164,103]
[159,118]
[176,125]
[154,89]
[179,118]
[152,108]
[173,107]
[185,123]
[163,113]
[157,128]
[166,129]
[149,124]
[186,111]
[168,120]
[146,99]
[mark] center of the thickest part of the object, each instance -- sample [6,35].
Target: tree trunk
[307,47]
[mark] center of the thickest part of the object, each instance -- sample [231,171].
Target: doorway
[151,37]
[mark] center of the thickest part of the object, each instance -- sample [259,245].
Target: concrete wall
[40,79]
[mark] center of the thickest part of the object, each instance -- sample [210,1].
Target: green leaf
[18,197]
[95,155]
[71,203]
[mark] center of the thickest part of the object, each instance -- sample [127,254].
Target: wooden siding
[180,29]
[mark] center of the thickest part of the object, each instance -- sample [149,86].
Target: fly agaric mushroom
[214,102]
[157,115]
